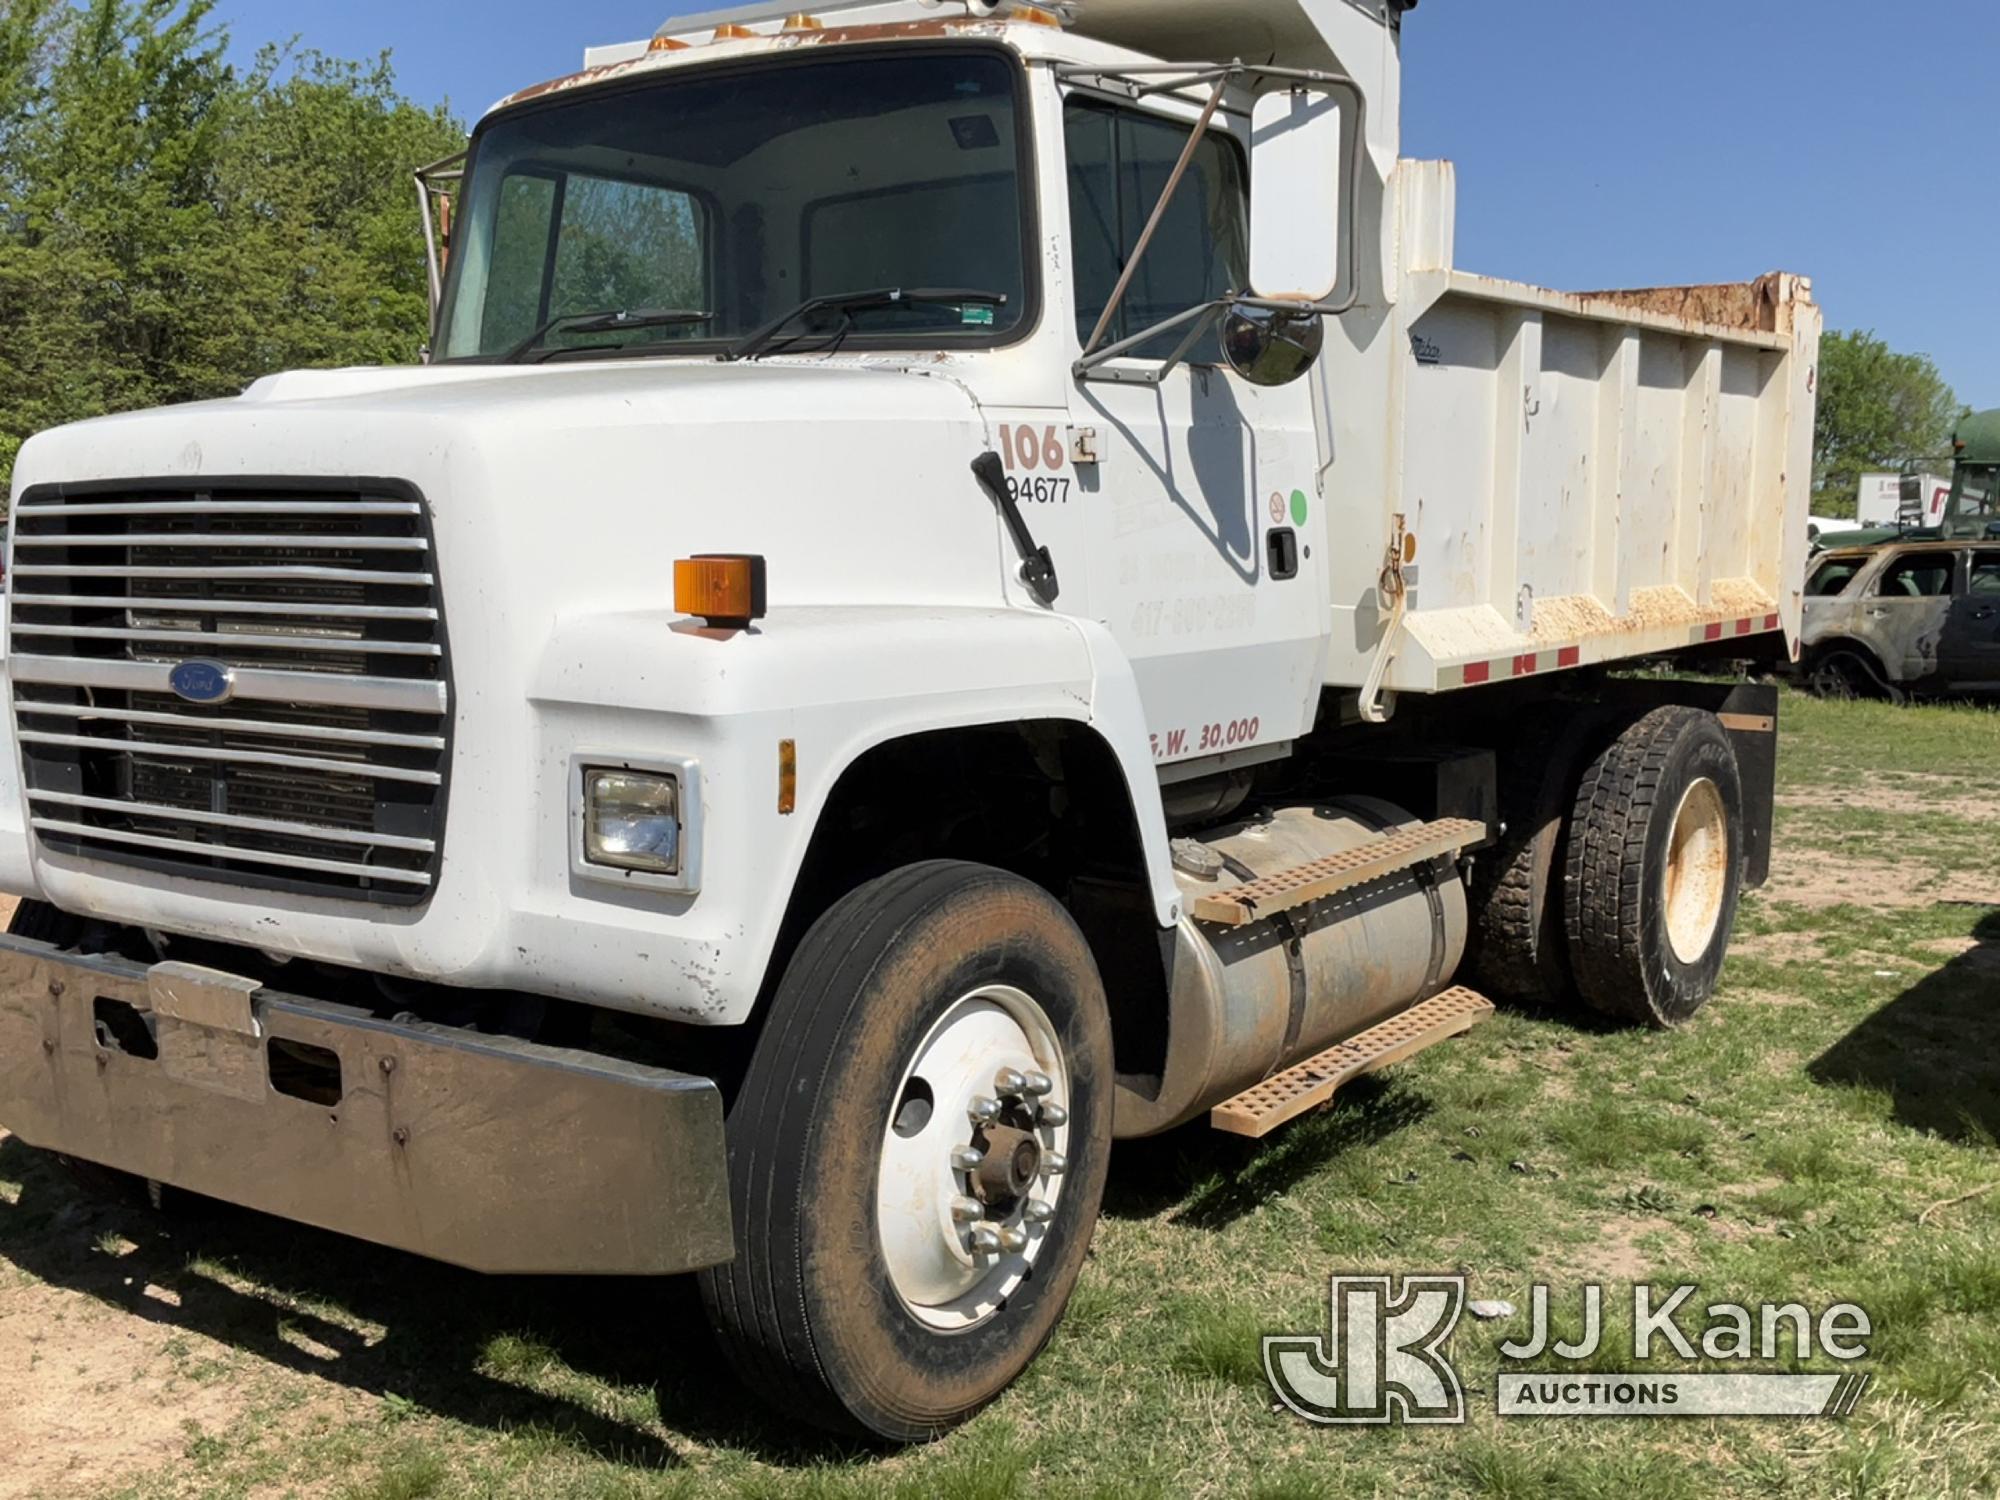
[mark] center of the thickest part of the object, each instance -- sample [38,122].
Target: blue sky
[1600,143]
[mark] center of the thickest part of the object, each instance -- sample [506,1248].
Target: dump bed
[1584,477]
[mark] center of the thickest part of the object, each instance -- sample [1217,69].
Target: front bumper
[490,1153]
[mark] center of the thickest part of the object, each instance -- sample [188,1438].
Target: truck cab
[960,581]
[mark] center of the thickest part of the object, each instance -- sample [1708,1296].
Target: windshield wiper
[611,321]
[853,302]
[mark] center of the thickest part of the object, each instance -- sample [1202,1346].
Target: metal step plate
[1298,1090]
[1241,905]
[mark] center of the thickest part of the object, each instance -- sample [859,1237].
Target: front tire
[1655,868]
[885,1285]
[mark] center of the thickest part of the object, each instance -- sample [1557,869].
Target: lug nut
[1054,1163]
[1038,1085]
[1052,1115]
[1014,1240]
[966,1158]
[985,1240]
[1008,1083]
[967,1210]
[984,1111]
[1039,1211]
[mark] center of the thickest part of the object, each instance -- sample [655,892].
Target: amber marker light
[1035,15]
[734,33]
[725,591]
[800,21]
[669,44]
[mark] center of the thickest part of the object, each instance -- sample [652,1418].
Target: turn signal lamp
[669,44]
[727,592]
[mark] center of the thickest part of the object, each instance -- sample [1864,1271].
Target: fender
[837,682]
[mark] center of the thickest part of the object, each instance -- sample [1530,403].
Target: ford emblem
[203,681]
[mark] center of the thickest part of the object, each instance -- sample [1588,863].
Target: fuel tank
[1247,1002]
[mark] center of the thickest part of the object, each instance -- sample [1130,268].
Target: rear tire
[857,1300]
[1655,868]
[1517,951]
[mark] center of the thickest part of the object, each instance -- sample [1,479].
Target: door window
[1833,576]
[1985,574]
[1119,163]
[1921,575]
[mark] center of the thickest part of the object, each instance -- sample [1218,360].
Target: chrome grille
[324,771]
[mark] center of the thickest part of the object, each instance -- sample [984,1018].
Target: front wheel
[917,1154]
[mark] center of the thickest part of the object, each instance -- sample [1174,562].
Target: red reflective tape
[1478,672]
[1771,622]
[1570,656]
[1744,627]
[1524,666]
[1712,632]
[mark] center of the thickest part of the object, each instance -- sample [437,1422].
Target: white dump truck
[960,581]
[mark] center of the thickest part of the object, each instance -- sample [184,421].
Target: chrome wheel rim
[973,1158]
[1696,878]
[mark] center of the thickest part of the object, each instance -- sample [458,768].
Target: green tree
[171,228]
[1877,409]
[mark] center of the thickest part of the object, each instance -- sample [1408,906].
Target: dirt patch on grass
[1810,878]
[1778,947]
[89,1395]
[1933,798]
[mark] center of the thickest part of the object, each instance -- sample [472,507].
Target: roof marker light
[731,32]
[800,21]
[668,44]
[1034,15]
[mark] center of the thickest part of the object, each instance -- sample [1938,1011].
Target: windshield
[708,205]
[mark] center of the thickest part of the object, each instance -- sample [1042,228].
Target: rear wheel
[917,1154]
[1655,868]
[1517,921]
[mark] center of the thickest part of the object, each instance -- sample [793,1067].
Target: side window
[1119,163]
[1921,575]
[1832,577]
[1985,574]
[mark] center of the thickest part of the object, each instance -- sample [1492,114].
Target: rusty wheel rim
[1696,878]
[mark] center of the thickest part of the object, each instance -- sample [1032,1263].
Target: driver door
[1203,511]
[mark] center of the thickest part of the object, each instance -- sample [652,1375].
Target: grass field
[1825,1131]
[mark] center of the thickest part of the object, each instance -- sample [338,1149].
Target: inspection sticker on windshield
[977,317]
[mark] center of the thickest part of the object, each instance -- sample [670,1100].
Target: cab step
[1298,1090]
[1418,844]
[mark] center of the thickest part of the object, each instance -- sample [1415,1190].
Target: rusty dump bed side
[487,1152]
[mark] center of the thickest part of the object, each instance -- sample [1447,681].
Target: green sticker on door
[1299,509]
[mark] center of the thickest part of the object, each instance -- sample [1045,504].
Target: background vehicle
[1965,506]
[1918,618]
[1027,570]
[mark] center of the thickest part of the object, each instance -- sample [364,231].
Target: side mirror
[1267,346]
[1295,196]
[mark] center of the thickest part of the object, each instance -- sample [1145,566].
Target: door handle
[1985,612]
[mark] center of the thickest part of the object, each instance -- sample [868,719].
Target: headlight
[632,821]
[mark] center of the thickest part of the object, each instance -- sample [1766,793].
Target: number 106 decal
[1027,450]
